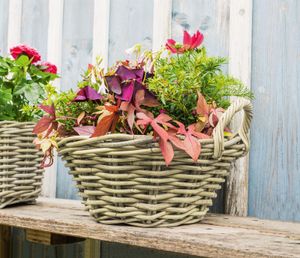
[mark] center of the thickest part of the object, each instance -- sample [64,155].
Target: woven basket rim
[17,122]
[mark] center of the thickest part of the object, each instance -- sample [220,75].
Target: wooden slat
[14,23]
[131,22]
[77,43]
[92,248]
[3,26]
[162,13]
[54,55]
[274,190]
[101,30]
[217,236]
[240,38]
[5,241]
[34,25]
[48,238]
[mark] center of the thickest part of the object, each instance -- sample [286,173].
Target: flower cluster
[176,98]
[34,57]
[23,83]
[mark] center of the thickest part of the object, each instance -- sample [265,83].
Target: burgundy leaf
[48,109]
[43,124]
[139,73]
[125,74]
[87,93]
[114,84]
[103,126]
[145,97]
[127,91]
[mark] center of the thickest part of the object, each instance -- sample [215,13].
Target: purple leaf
[125,74]
[114,84]
[149,98]
[85,130]
[127,91]
[87,93]
[139,73]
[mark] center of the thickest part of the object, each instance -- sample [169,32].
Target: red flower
[48,67]
[25,50]
[189,42]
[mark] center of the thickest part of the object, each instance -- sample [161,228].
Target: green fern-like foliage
[177,79]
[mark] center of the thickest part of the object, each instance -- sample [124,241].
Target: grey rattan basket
[20,173]
[123,179]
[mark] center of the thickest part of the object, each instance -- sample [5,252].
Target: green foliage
[22,86]
[177,79]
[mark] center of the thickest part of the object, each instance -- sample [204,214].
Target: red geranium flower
[48,67]
[25,50]
[189,42]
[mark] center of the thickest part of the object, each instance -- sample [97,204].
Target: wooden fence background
[262,40]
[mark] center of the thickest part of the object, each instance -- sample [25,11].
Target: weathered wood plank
[244,237]
[48,238]
[130,23]
[162,18]
[77,44]
[54,55]
[3,26]
[34,25]
[5,241]
[101,30]
[92,248]
[116,250]
[14,23]
[274,177]
[240,37]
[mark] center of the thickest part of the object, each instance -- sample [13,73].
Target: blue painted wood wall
[275,155]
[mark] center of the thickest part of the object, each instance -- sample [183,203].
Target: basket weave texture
[123,178]
[20,173]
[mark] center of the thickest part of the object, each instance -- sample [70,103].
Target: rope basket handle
[218,134]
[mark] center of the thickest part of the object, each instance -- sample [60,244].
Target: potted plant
[23,80]
[148,141]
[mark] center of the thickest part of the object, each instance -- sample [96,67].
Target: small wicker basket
[123,178]
[20,172]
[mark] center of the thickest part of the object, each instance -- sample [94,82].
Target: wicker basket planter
[123,179]
[20,173]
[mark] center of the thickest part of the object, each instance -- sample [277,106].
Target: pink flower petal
[187,39]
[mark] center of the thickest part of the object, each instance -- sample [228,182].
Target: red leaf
[52,127]
[191,130]
[130,109]
[163,118]
[114,123]
[202,107]
[48,109]
[176,141]
[192,146]
[166,150]
[43,124]
[130,115]
[139,98]
[85,130]
[162,133]
[105,125]
[111,108]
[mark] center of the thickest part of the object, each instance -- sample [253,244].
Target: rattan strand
[20,172]
[123,178]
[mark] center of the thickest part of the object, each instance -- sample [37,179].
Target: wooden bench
[216,236]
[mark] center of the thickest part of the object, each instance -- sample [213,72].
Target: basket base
[17,202]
